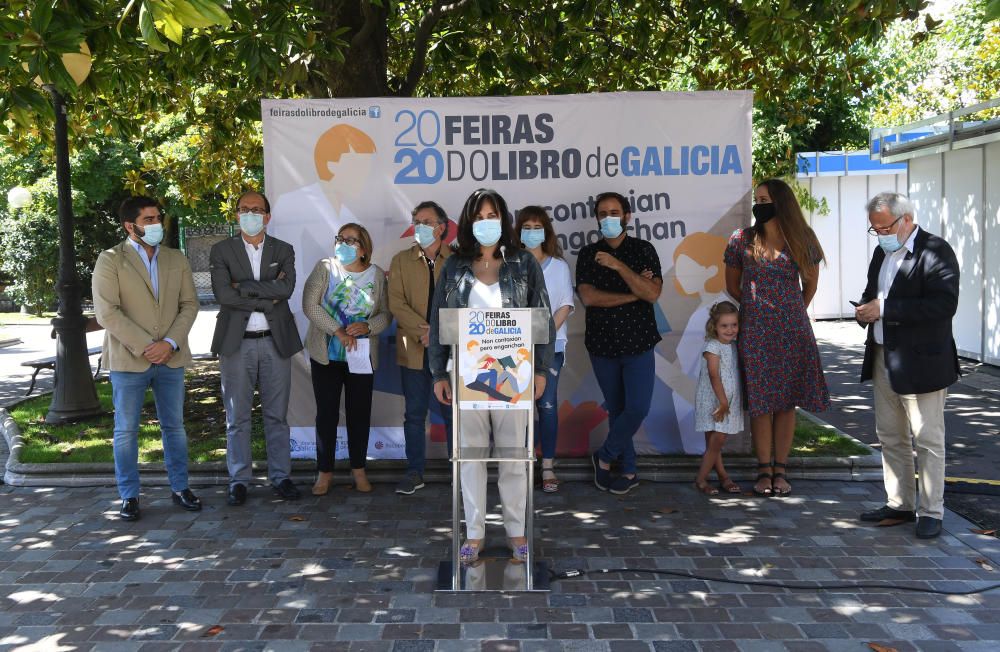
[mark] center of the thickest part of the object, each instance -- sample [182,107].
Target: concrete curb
[654,468]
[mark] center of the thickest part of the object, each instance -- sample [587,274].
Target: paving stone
[335,581]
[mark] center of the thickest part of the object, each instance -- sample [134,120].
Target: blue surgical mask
[424,235]
[532,237]
[345,253]
[611,227]
[152,234]
[487,232]
[251,223]
[889,243]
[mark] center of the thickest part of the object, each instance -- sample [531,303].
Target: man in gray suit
[253,275]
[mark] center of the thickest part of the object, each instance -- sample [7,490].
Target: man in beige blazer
[412,276]
[144,298]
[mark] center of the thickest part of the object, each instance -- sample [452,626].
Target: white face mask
[152,234]
[251,223]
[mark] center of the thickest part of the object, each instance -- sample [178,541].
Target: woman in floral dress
[772,269]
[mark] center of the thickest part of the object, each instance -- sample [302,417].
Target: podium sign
[495,365]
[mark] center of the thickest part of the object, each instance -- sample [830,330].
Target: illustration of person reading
[479,372]
[520,378]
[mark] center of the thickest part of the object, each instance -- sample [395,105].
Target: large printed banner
[682,159]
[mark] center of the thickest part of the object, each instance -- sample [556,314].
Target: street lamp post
[74,396]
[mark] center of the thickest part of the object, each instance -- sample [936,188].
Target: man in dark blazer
[910,354]
[253,275]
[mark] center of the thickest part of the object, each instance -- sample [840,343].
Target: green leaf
[992,10]
[211,10]
[149,30]
[41,15]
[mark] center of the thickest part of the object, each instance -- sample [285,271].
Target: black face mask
[763,212]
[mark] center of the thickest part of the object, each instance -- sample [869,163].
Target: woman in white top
[534,226]
[488,270]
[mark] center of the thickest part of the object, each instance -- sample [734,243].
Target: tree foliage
[29,237]
[212,61]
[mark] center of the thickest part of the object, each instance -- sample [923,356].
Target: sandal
[550,483]
[730,487]
[763,476]
[781,476]
[519,551]
[706,489]
[469,552]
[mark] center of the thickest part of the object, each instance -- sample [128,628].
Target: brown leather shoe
[361,481]
[323,480]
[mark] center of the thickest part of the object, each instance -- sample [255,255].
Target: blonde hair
[337,141]
[715,313]
[471,344]
[525,352]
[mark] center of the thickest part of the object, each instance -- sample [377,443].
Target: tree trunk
[364,72]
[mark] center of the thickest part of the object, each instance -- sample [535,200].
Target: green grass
[815,440]
[91,440]
[16,318]
[205,422]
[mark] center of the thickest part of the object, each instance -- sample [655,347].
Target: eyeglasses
[255,211]
[883,230]
[351,242]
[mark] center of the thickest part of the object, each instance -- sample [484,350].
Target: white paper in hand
[359,360]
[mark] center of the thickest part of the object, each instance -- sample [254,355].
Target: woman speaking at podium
[489,270]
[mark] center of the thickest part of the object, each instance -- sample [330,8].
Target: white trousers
[509,429]
[898,417]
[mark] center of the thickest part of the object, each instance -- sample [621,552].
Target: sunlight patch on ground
[738,534]
[845,525]
[27,597]
[399,551]
[311,569]
[47,644]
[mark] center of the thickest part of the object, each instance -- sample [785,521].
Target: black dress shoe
[187,500]
[237,495]
[287,490]
[886,512]
[129,510]
[928,528]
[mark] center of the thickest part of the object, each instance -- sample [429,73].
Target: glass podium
[496,569]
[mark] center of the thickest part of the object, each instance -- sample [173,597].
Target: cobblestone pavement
[351,571]
[972,419]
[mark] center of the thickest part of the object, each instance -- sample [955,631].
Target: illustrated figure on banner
[700,272]
[343,160]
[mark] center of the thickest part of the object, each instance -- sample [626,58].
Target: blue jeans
[418,390]
[627,385]
[548,409]
[128,391]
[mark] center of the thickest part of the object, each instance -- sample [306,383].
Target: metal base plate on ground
[494,574]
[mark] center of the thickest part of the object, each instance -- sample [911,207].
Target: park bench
[50,361]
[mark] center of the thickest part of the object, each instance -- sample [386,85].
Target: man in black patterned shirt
[619,281]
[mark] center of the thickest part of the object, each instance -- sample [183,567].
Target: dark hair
[551,244]
[802,242]
[131,207]
[468,246]
[626,207]
[718,310]
[267,204]
[441,215]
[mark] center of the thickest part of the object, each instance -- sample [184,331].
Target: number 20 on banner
[421,162]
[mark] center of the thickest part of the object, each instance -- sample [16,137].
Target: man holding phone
[907,307]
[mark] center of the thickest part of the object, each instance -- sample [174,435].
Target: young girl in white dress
[718,403]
